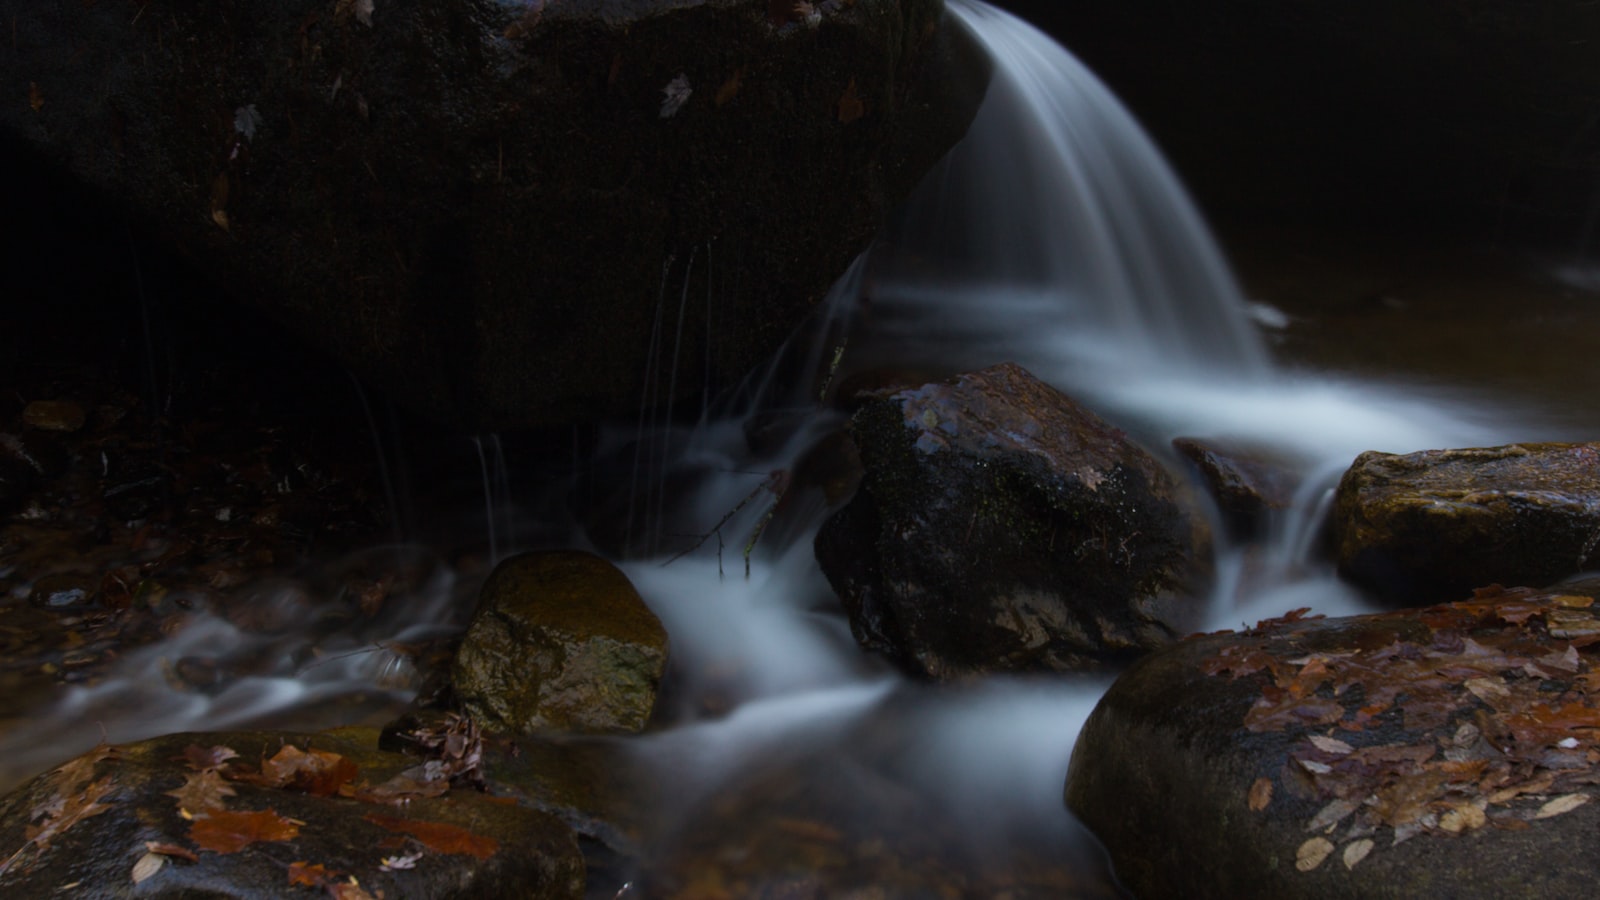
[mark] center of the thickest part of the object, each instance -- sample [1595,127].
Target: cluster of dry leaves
[203,800]
[1499,709]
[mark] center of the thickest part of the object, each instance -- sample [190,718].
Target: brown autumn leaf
[851,105]
[35,96]
[164,849]
[1561,805]
[219,200]
[202,791]
[304,874]
[1260,794]
[72,775]
[439,837]
[730,87]
[1356,852]
[224,831]
[59,815]
[202,758]
[348,890]
[1463,817]
[1311,853]
[320,773]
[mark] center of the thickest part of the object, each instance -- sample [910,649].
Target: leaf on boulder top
[1561,805]
[60,814]
[1330,745]
[304,874]
[440,837]
[75,773]
[223,831]
[1356,852]
[202,758]
[1312,853]
[675,95]
[201,792]
[1463,817]
[1260,794]
[851,106]
[320,773]
[147,865]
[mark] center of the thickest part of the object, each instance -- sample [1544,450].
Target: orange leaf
[229,832]
[851,106]
[303,874]
[439,836]
[202,791]
[319,773]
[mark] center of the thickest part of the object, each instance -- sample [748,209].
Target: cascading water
[1053,236]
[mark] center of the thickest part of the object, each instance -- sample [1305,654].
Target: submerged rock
[1438,524]
[1248,486]
[1450,751]
[269,814]
[1000,526]
[561,641]
[504,214]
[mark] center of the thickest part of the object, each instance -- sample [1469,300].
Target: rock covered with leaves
[1000,526]
[561,641]
[1438,524]
[1452,750]
[264,814]
[493,210]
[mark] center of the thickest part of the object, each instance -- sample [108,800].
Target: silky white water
[1053,236]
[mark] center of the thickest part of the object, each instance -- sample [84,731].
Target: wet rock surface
[496,211]
[560,642]
[1248,487]
[268,814]
[1452,750]
[999,526]
[1429,526]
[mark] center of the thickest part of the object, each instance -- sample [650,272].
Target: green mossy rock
[1448,751]
[99,818]
[560,642]
[1434,526]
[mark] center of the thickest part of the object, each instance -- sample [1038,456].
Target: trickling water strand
[488,500]
[641,461]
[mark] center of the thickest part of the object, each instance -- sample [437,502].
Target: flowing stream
[1053,236]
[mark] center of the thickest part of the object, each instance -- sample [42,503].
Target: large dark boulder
[1000,526]
[504,213]
[1448,751]
[1429,526]
[273,814]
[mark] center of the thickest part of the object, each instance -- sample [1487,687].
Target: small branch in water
[777,482]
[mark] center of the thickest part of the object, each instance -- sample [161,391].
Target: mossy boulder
[1435,525]
[264,815]
[1448,751]
[1000,526]
[560,641]
[496,211]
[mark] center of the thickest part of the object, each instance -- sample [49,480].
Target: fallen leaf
[1356,852]
[1312,853]
[148,865]
[35,97]
[1561,805]
[730,88]
[439,837]
[61,814]
[348,890]
[1260,794]
[1488,689]
[183,853]
[225,831]
[1332,814]
[675,95]
[320,773]
[1330,745]
[219,200]
[1463,817]
[202,791]
[202,758]
[851,106]
[397,863]
[304,874]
